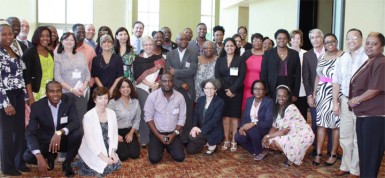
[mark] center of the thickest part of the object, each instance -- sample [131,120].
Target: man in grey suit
[183,64]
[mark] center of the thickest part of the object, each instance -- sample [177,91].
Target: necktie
[138,46]
[26,43]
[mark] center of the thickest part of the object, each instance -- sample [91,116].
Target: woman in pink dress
[253,58]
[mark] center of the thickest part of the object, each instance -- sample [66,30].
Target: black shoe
[24,169]
[50,164]
[315,163]
[67,169]
[12,173]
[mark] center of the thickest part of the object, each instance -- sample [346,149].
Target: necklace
[107,63]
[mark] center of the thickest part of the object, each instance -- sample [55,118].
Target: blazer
[93,144]
[41,126]
[265,113]
[309,71]
[33,73]
[210,123]
[185,69]
[222,73]
[270,67]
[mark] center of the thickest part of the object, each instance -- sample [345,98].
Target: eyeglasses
[352,38]
[258,89]
[330,42]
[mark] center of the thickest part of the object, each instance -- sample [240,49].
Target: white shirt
[133,42]
[302,91]
[319,54]
[181,54]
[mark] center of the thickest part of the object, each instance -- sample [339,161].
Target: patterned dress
[300,137]
[128,59]
[324,100]
[204,72]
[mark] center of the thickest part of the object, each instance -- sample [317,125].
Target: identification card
[234,71]
[76,75]
[175,111]
[64,120]
[187,64]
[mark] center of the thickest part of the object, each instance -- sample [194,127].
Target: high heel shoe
[233,146]
[226,145]
[331,164]
[315,163]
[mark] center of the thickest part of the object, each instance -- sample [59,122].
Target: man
[90,34]
[219,33]
[345,67]
[136,40]
[15,24]
[165,115]
[53,127]
[183,64]
[167,43]
[189,33]
[87,50]
[23,35]
[197,45]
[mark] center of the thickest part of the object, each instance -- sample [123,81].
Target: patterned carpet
[221,164]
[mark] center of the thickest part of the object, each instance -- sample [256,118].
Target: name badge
[187,64]
[64,120]
[76,75]
[125,68]
[175,111]
[234,71]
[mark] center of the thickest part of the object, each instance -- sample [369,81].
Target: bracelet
[357,100]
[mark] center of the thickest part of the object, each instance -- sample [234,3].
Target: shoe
[24,169]
[62,157]
[143,146]
[315,163]
[331,164]
[12,173]
[341,173]
[339,156]
[67,169]
[51,164]
[233,146]
[353,176]
[260,156]
[210,151]
[226,145]
[287,163]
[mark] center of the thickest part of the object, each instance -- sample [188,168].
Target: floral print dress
[128,59]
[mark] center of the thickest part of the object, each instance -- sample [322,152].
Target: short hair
[236,35]
[355,29]
[100,91]
[187,28]
[75,26]
[137,22]
[244,27]
[219,28]
[155,32]
[65,35]
[316,30]
[106,37]
[267,38]
[117,43]
[37,35]
[215,82]
[380,36]
[201,23]
[116,93]
[330,34]
[52,82]
[261,82]
[147,38]
[257,35]
[297,32]
[285,32]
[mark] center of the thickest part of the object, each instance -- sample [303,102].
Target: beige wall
[325,15]
[113,15]
[228,20]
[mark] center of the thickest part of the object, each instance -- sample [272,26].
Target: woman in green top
[124,49]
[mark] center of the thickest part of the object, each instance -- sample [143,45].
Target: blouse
[126,117]
[128,59]
[107,73]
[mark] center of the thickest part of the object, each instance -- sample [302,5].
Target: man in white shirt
[136,40]
[90,34]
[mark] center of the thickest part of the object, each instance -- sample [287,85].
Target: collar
[50,105]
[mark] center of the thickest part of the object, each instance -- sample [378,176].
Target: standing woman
[158,40]
[267,43]
[147,69]
[103,30]
[71,71]
[126,106]
[244,46]
[253,58]
[206,67]
[324,100]
[367,99]
[230,70]
[54,38]
[39,63]
[124,49]
[12,96]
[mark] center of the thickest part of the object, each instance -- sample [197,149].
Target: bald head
[181,40]
[14,22]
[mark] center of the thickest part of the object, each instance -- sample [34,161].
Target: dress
[204,72]
[299,138]
[128,59]
[324,100]
[47,66]
[253,71]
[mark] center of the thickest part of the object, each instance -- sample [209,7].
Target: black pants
[302,106]
[69,143]
[189,115]
[156,149]
[12,133]
[195,145]
[371,144]
[128,150]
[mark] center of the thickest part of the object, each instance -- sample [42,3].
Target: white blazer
[92,142]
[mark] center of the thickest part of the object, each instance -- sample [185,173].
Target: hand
[294,99]
[242,131]
[10,110]
[31,101]
[154,86]
[129,137]
[172,71]
[229,93]
[120,138]
[195,131]
[185,86]
[171,138]
[336,109]
[54,146]
[310,101]
[265,142]
[160,138]
[106,159]
[114,158]
[77,92]
[42,164]
[284,131]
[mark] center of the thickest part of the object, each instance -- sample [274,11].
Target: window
[64,13]
[208,16]
[148,13]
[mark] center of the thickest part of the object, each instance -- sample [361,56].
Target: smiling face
[101,101]
[189,33]
[158,37]
[209,89]
[45,38]
[257,43]
[353,40]
[54,93]
[181,40]
[80,33]
[125,89]
[242,32]
[138,30]
[296,41]
[316,39]
[69,42]
[90,32]
[24,29]
[238,41]
[218,36]
[208,49]
[54,35]
[259,90]
[373,46]
[148,46]
[330,44]
[202,31]
[267,44]
[282,40]
[122,36]
[230,47]
[6,36]
[282,96]
[167,33]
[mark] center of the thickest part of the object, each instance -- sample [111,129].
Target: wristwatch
[177,132]
[59,132]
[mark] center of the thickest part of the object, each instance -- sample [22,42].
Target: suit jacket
[23,46]
[210,123]
[33,74]
[184,70]
[309,67]
[270,67]
[222,73]
[41,126]
[265,113]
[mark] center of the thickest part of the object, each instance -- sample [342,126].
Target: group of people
[91,98]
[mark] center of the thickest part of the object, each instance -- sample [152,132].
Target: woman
[158,40]
[238,40]
[267,43]
[367,99]
[230,70]
[39,63]
[147,69]
[126,106]
[206,67]
[100,141]
[103,30]
[71,71]
[12,99]
[107,67]
[244,46]
[256,120]
[290,132]
[219,33]
[296,42]
[324,100]
[54,38]
[207,120]
[124,49]
[253,58]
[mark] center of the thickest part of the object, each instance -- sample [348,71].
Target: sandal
[233,146]
[315,163]
[331,164]
[226,145]
[210,151]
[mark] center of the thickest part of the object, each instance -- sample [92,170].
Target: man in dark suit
[15,24]
[54,127]
[183,64]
